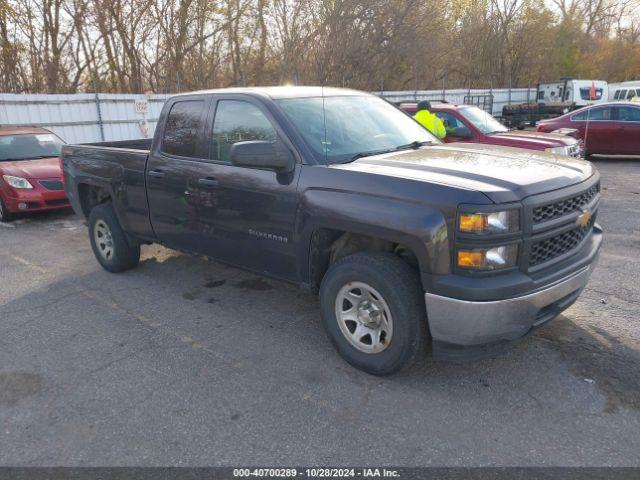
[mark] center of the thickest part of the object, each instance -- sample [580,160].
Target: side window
[541,95]
[603,113]
[579,116]
[631,94]
[629,114]
[237,121]
[622,94]
[181,132]
[450,121]
[616,96]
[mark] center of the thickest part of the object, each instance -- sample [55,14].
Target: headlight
[495,258]
[507,221]
[558,150]
[17,182]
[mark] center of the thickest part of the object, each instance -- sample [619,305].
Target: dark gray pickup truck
[405,239]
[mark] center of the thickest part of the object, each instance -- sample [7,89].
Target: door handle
[208,182]
[156,173]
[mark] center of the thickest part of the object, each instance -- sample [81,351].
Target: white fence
[84,117]
[88,117]
[500,96]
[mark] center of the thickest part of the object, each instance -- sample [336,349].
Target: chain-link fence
[499,97]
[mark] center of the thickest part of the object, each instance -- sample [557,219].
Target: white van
[625,91]
[575,92]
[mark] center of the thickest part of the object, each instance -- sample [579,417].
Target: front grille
[57,203]
[553,210]
[52,184]
[574,150]
[553,247]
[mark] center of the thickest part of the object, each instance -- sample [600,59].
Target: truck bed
[119,169]
[134,144]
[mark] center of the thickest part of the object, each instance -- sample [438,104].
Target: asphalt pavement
[183,361]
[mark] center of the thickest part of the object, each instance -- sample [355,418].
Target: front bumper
[468,329]
[35,199]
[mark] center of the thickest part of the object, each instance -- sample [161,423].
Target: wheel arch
[91,194]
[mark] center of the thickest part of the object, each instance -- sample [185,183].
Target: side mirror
[261,154]
[460,132]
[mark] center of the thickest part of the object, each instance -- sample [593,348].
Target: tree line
[162,46]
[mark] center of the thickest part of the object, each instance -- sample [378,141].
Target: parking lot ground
[186,362]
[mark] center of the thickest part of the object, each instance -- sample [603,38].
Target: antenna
[586,131]
[324,124]
[592,96]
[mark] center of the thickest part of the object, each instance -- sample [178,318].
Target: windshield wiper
[415,145]
[409,146]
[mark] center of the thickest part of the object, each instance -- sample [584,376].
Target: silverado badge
[583,218]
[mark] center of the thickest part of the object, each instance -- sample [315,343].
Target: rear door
[247,215]
[173,170]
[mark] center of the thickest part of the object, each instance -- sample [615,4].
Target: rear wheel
[108,241]
[5,215]
[373,312]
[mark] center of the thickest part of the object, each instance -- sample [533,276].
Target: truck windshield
[482,120]
[29,146]
[352,126]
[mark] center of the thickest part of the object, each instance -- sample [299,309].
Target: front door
[247,215]
[457,130]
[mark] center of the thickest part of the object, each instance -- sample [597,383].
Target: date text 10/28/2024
[315,473]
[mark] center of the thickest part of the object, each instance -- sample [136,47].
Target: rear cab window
[237,121]
[585,93]
[183,128]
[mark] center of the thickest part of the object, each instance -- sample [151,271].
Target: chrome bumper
[467,323]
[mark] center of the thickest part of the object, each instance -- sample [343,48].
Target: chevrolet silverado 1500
[405,239]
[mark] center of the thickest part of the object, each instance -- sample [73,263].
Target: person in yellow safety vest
[429,120]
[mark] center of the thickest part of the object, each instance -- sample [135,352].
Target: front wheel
[373,311]
[108,241]
[5,215]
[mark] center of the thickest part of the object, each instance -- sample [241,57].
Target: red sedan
[467,123]
[30,175]
[614,128]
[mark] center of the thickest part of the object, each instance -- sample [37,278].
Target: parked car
[614,127]
[404,238]
[30,174]
[468,123]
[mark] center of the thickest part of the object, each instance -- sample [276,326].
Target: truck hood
[539,139]
[34,169]
[503,174]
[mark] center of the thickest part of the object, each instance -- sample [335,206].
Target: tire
[5,215]
[387,286]
[108,241]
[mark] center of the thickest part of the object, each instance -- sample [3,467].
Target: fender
[416,226]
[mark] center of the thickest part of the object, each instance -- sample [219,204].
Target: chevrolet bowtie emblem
[583,219]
